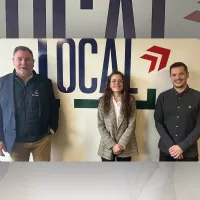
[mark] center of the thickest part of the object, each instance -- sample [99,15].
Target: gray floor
[117,181]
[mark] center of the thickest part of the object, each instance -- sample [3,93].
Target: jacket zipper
[25,113]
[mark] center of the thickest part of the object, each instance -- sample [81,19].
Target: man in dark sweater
[177,118]
[28,110]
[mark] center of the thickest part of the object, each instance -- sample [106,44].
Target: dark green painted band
[149,104]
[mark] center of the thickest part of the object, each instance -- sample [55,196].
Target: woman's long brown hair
[125,97]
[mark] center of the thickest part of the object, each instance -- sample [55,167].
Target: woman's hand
[117,149]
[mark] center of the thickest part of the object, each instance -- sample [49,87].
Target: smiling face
[23,63]
[116,83]
[179,77]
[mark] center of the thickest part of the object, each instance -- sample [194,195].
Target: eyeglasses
[117,81]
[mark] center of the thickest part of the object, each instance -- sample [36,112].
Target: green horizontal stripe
[93,103]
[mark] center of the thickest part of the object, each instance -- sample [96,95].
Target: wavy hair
[125,97]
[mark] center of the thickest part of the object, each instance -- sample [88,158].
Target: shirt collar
[119,102]
[182,93]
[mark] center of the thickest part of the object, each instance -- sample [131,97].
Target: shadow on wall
[61,142]
[140,137]
[146,133]
[60,139]
[140,128]
[162,82]
[151,137]
[194,83]
[193,80]
[64,142]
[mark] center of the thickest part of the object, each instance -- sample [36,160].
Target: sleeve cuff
[182,146]
[121,144]
[52,131]
[111,145]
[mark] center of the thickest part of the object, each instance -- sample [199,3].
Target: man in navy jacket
[28,110]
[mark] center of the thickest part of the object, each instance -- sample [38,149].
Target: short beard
[181,86]
[23,74]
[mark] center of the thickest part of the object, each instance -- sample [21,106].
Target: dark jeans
[167,157]
[118,159]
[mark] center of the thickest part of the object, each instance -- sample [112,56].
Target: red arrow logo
[159,50]
[194,16]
